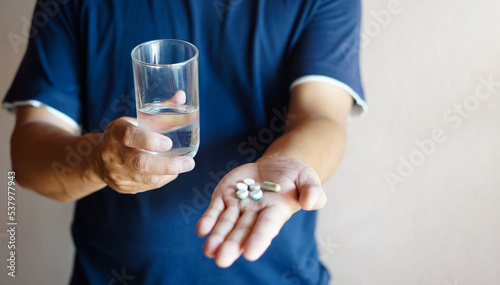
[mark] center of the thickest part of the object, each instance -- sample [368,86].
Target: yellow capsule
[270,186]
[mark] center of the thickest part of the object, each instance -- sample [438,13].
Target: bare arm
[315,132]
[306,154]
[51,159]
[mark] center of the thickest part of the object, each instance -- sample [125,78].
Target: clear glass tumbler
[166,92]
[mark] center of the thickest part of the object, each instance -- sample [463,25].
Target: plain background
[438,223]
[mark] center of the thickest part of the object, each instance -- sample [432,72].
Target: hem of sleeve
[359,110]
[12,107]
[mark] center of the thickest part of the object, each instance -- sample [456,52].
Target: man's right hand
[49,157]
[123,166]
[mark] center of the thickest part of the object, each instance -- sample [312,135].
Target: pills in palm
[242,194]
[256,194]
[249,181]
[254,190]
[241,186]
[270,186]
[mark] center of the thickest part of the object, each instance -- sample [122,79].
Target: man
[277,82]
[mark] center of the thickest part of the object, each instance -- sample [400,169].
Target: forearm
[53,162]
[317,142]
[316,130]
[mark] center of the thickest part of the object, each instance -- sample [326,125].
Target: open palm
[247,226]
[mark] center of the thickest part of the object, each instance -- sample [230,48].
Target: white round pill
[255,186]
[242,194]
[257,194]
[249,181]
[241,186]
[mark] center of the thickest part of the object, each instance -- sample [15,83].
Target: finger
[179,98]
[268,224]
[134,187]
[232,247]
[312,197]
[158,123]
[210,217]
[125,131]
[223,226]
[149,164]
[123,179]
[311,193]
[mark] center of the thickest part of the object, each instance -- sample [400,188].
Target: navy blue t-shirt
[78,66]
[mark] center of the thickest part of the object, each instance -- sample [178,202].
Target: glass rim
[194,57]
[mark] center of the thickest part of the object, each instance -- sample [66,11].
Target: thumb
[311,193]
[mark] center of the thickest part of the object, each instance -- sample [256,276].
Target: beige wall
[435,221]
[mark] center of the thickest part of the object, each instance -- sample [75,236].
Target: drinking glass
[166,92]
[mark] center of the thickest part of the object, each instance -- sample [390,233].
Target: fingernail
[187,165]
[164,145]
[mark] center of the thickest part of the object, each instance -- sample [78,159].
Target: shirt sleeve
[328,50]
[49,74]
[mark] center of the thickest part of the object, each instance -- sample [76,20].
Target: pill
[255,186]
[249,181]
[241,186]
[242,194]
[256,195]
[270,186]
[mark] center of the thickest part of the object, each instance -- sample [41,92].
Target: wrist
[85,174]
[266,156]
[90,171]
[278,154]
